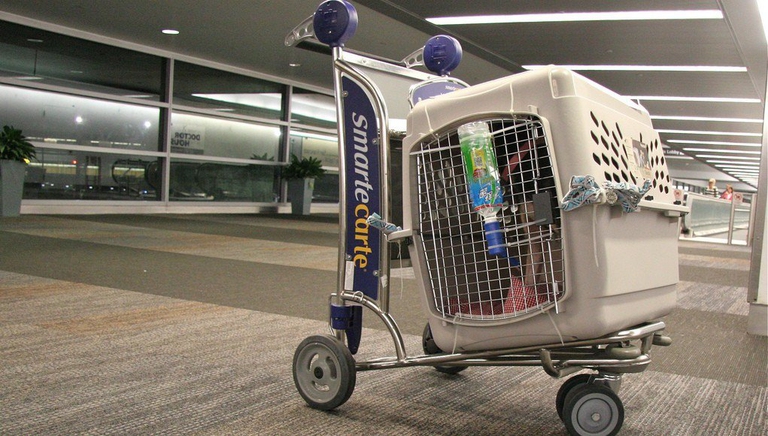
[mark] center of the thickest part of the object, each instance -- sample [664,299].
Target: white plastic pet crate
[569,275]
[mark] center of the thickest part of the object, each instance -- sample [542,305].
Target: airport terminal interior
[157,277]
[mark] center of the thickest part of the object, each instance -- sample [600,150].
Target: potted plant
[301,175]
[15,154]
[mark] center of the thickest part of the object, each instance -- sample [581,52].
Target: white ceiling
[249,34]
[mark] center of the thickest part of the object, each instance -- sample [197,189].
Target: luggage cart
[563,280]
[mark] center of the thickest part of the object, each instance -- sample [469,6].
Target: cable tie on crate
[560,335]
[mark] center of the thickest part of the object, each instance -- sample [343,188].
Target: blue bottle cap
[494,236]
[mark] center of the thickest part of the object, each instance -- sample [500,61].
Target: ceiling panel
[249,34]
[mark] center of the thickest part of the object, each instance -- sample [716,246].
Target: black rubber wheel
[429,346]
[566,387]
[324,372]
[593,410]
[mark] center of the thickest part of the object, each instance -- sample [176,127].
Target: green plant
[306,168]
[14,145]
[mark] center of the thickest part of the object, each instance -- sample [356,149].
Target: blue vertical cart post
[324,369]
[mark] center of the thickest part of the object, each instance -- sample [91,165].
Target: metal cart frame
[324,368]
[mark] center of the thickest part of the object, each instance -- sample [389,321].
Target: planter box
[300,194]
[11,186]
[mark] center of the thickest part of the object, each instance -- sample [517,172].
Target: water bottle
[483,180]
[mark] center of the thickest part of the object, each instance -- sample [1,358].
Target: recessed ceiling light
[170,31]
[294,65]
[705,14]
[739,144]
[726,120]
[656,68]
[35,40]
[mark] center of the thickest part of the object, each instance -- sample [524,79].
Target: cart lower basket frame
[613,353]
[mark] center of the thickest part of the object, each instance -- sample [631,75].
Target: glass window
[63,119]
[207,88]
[63,174]
[207,136]
[313,109]
[207,181]
[36,55]
[325,148]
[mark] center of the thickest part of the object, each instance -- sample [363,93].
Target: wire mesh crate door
[466,281]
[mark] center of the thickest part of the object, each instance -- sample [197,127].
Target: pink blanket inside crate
[518,299]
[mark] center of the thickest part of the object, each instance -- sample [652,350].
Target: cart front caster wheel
[429,346]
[593,410]
[565,389]
[324,372]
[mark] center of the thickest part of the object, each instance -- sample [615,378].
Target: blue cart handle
[442,54]
[335,22]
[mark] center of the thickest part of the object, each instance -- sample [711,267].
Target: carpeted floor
[187,325]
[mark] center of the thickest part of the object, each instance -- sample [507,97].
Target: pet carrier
[569,273]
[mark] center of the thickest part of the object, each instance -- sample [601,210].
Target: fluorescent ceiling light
[725,120]
[741,170]
[705,14]
[708,132]
[307,107]
[696,99]
[740,166]
[705,156]
[170,31]
[663,68]
[731,162]
[738,144]
[313,135]
[714,150]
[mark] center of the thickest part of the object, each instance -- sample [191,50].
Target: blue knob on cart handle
[335,22]
[442,54]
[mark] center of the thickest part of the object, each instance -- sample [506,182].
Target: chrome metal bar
[526,355]
[386,318]
[342,260]
[302,32]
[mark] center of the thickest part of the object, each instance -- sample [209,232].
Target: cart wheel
[431,348]
[324,372]
[566,388]
[593,410]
